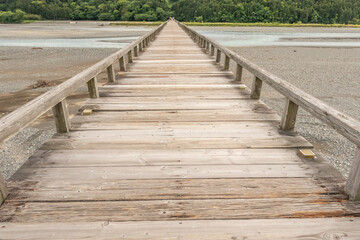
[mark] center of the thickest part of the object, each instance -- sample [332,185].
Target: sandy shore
[331,74]
[22,67]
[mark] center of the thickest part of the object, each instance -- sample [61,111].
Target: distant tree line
[249,11]
[282,11]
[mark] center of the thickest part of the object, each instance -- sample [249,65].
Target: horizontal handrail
[344,124]
[20,118]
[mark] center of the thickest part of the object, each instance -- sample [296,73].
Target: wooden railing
[56,97]
[345,125]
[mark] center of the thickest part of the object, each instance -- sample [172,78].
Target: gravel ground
[330,74]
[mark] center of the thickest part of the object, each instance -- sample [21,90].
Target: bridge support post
[122,64]
[92,87]
[288,118]
[218,56]
[256,88]
[239,71]
[143,44]
[227,63]
[136,51]
[110,73]
[352,187]
[212,50]
[130,59]
[3,191]
[61,115]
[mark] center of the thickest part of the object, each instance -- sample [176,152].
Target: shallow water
[91,35]
[250,39]
[115,42]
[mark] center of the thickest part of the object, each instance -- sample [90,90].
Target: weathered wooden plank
[228,115]
[353,182]
[167,172]
[164,189]
[212,209]
[61,117]
[205,104]
[259,229]
[177,142]
[118,157]
[177,87]
[178,129]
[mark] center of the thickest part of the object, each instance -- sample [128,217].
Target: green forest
[244,11]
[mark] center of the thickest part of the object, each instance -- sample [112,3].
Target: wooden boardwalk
[176,149]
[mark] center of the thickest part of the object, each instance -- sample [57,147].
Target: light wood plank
[171,210]
[259,229]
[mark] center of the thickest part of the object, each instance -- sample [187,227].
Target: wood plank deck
[175,149]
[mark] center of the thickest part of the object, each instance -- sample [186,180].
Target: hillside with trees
[247,11]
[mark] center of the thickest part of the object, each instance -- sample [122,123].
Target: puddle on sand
[249,39]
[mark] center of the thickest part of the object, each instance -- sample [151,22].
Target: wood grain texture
[170,210]
[259,229]
[174,141]
[61,117]
[288,118]
[92,88]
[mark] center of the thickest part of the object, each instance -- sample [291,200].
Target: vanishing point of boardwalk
[175,148]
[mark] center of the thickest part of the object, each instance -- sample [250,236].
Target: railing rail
[56,97]
[345,125]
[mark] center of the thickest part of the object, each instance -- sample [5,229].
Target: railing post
[352,187]
[61,115]
[136,51]
[92,87]
[256,88]
[207,46]
[140,47]
[130,59]
[227,63]
[288,118]
[218,56]
[143,44]
[239,70]
[110,73]
[212,50]
[3,191]
[122,64]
